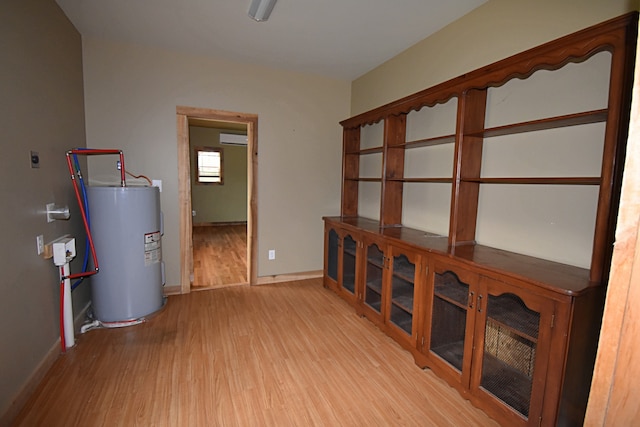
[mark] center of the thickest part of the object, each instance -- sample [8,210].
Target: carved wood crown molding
[613,36]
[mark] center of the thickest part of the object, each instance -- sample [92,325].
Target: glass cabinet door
[402,292]
[510,342]
[449,318]
[349,264]
[373,282]
[332,255]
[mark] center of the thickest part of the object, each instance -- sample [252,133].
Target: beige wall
[41,109]
[213,202]
[495,30]
[131,94]
[555,223]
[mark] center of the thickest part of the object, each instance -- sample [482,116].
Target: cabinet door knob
[479,303]
[470,300]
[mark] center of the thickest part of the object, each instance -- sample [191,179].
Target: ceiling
[335,38]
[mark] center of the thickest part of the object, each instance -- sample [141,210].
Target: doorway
[197,117]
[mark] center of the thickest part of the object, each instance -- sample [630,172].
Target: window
[209,165]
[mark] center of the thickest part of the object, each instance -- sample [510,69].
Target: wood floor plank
[219,255]
[290,354]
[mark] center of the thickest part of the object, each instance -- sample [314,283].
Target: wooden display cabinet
[512,349]
[391,282]
[445,340]
[381,280]
[341,262]
[374,287]
[372,295]
[490,339]
[515,334]
[406,275]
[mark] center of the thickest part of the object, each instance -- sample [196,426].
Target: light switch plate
[40,243]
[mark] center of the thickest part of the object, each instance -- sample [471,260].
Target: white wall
[131,94]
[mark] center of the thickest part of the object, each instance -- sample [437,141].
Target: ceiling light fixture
[261,9]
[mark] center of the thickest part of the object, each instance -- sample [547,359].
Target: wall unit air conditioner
[233,139]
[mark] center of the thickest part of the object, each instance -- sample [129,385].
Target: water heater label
[152,250]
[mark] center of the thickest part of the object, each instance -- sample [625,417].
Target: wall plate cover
[40,243]
[35,159]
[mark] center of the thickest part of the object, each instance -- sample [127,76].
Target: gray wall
[219,203]
[41,109]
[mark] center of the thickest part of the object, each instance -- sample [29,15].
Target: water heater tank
[126,229]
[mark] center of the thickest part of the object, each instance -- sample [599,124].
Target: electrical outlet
[157,183]
[272,254]
[40,243]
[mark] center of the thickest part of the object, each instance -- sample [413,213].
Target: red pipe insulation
[63,343]
[86,225]
[83,214]
[100,151]
[89,152]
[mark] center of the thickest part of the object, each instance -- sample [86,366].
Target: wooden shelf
[434,180]
[379,264]
[428,142]
[588,180]
[364,179]
[452,353]
[455,295]
[509,312]
[447,298]
[405,303]
[587,117]
[351,252]
[348,282]
[404,271]
[366,151]
[506,383]
[375,305]
[448,286]
[401,286]
[375,285]
[403,321]
[499,321]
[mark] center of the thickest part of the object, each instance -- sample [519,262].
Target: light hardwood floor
[219,256]
[289,354]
